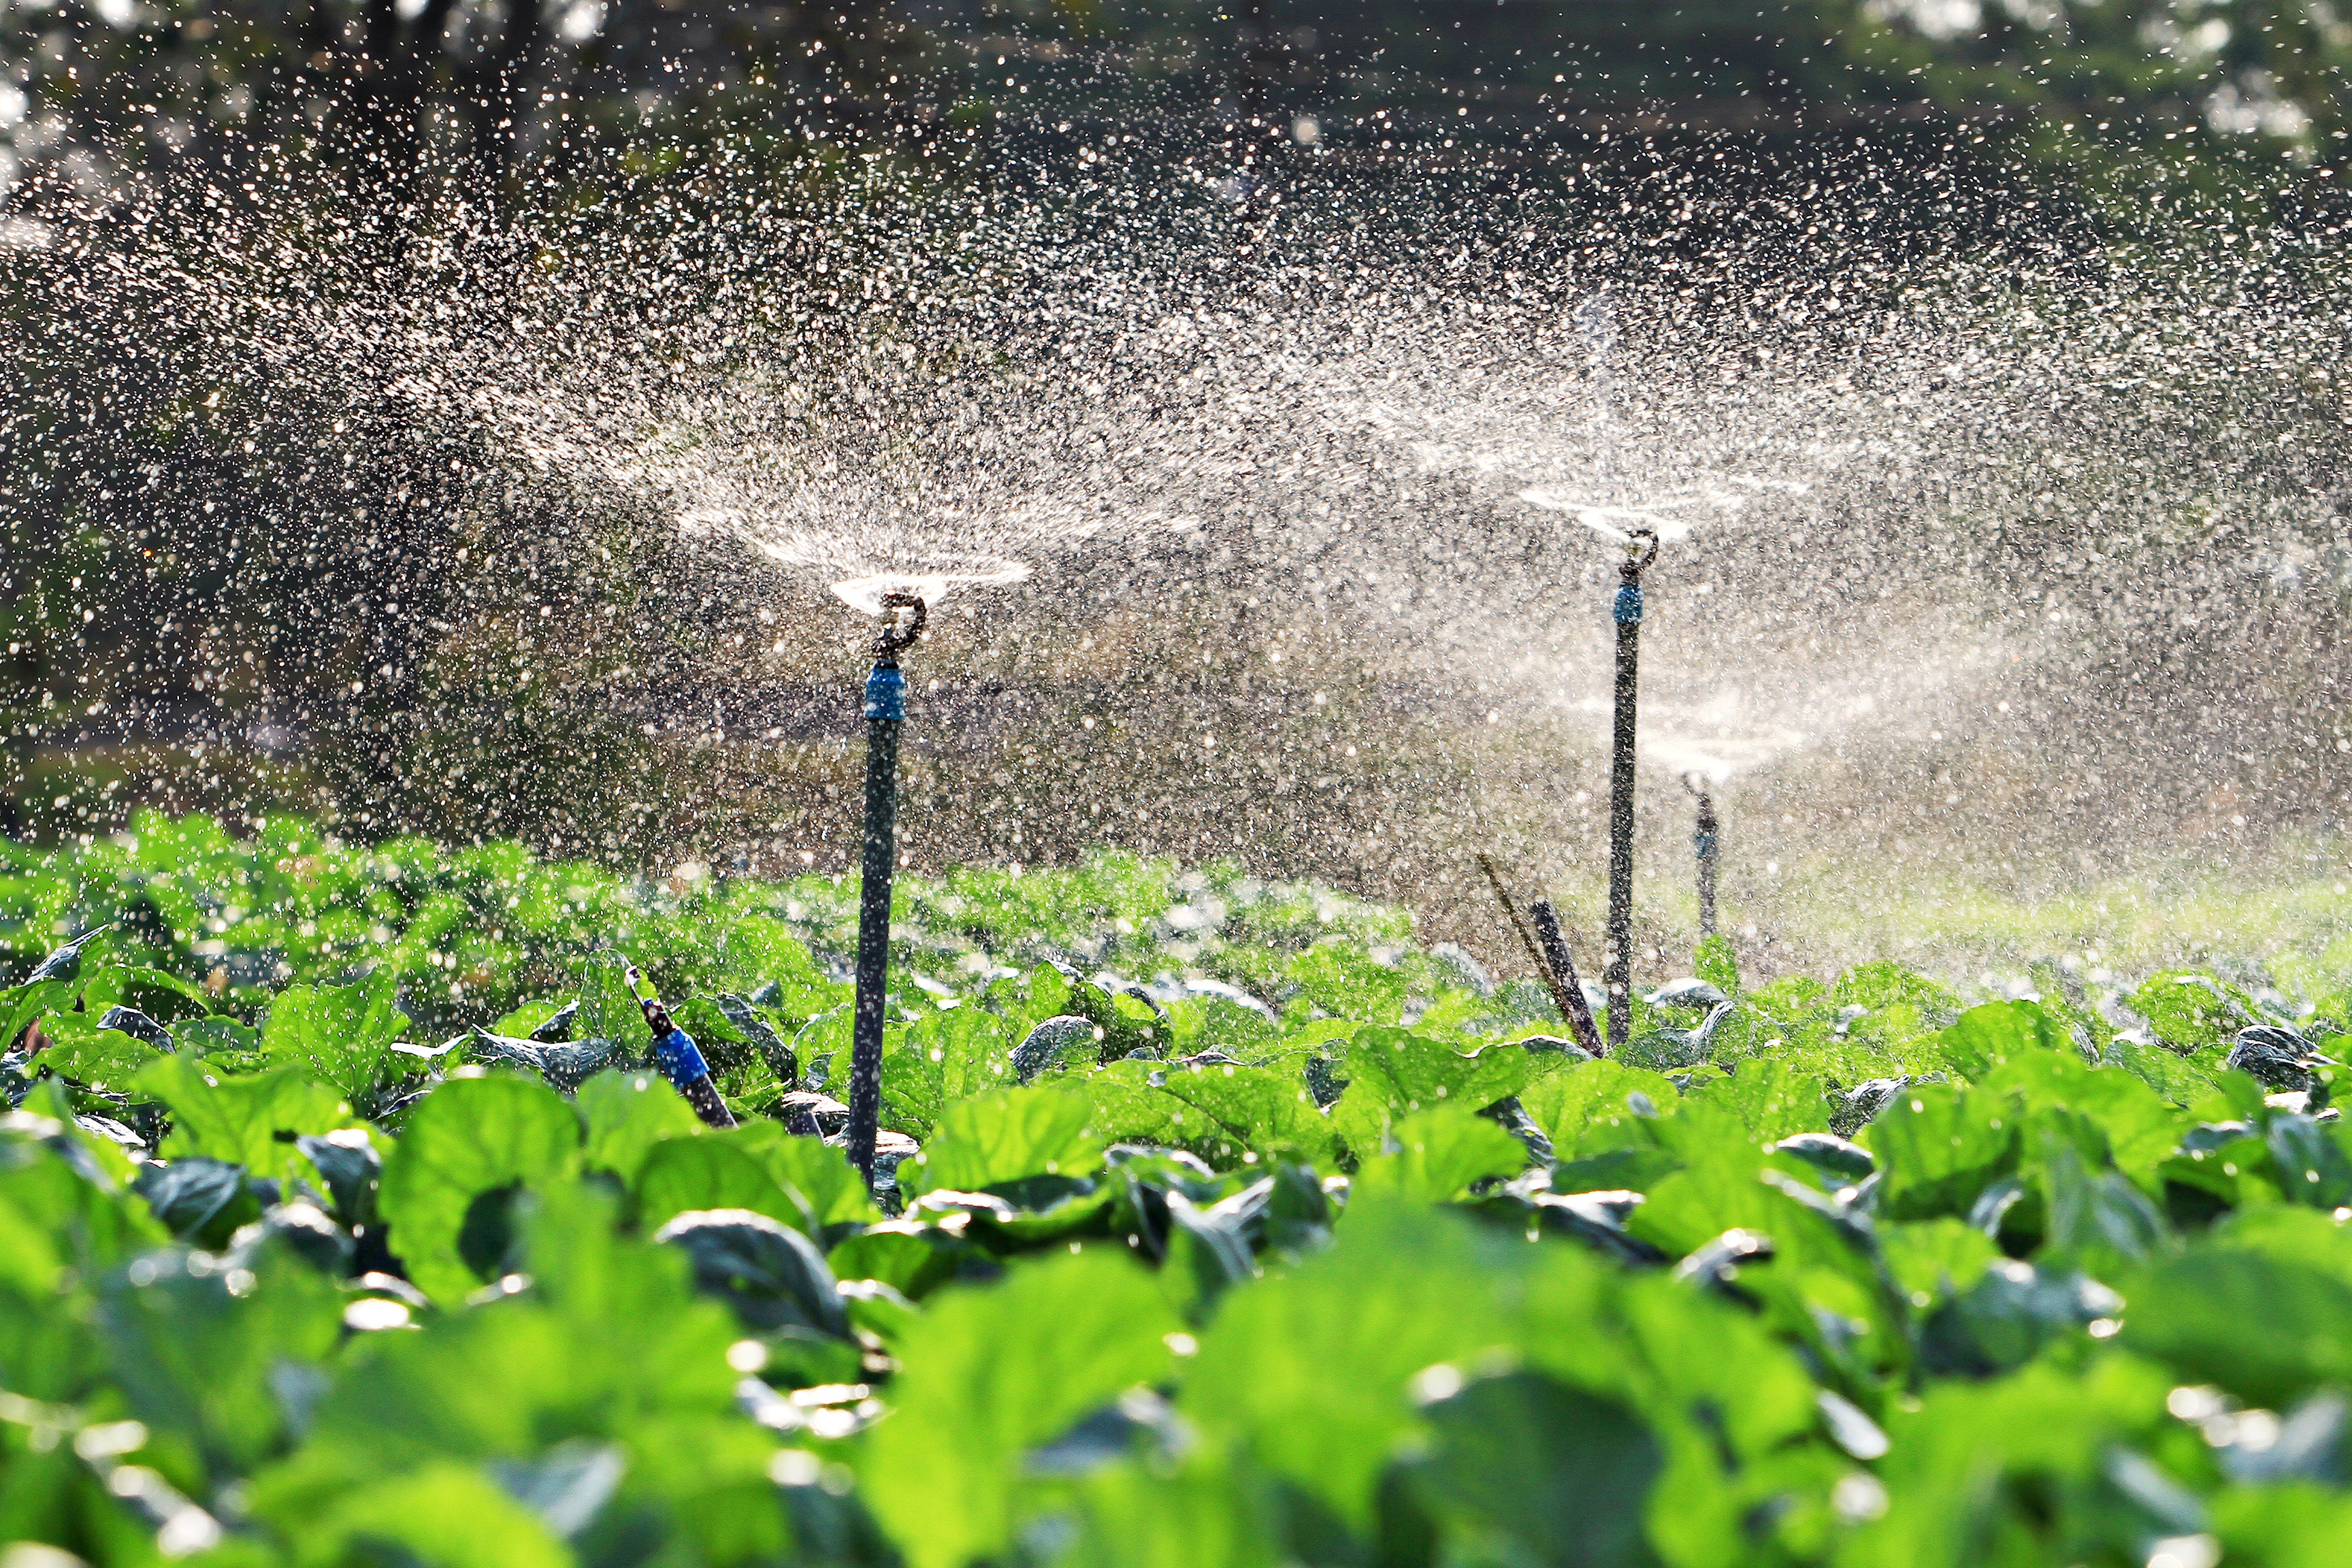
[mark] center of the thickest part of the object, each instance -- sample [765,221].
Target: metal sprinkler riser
[885,710]
[1625,609]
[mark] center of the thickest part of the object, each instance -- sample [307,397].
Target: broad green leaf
[711,1173]
[1932,1258]
[248,1121]
[80,1050]
[1394,1073]
[1592,1095]
[203,1359]
[760,953]
[1939,1147]
[1984,1038]
[935,1062]
[2283,1526]
[470,1137]
[609,1009]
[1340,978]
[627,1114]
[2175,1078]
[1131,1516]
[1439,1154]
[1880,984]
[1306,1371]
[1979,1463]
[1771,1098]
[1715,963]
[442,1516]
[338,1034]
[2140,1129]
[1539,1472]
[815,1172]
[2267,1328]
[1221,1111]
[2191,1011]
[986,1375]
[1003,1136]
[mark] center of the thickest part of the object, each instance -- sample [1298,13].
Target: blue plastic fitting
[1628,606]
[679,1059]
[886,693]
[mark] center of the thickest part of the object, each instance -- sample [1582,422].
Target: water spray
[885,709]
[679,1059]
[1625,609]
[1703,845]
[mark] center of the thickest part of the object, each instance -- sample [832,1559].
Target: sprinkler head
[895,635]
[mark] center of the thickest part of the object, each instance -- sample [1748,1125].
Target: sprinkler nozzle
[894,639]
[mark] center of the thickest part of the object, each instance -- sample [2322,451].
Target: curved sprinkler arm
[1625,609]
[1703,844]
[679,1059]
[885,710]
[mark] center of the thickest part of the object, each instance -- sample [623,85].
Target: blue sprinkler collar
[1627,609]
[886,693]
[679,1059]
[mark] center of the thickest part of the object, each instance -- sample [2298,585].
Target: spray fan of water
[1311,519]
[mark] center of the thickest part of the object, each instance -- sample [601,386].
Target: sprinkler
[885,709]
[1702,844]
[679,1059]
[1625,609]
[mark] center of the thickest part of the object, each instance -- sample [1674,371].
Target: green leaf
[2283,1526]
[627,1114]
[338,1034]
[1394,1073]
[769,1273]
[1221,1111]
[470,1137]
[1583,1109]
[1130,1517]
[1003,1136]
[442,1516]
[1439,1152]
[1940,1146]
[814,1171]
[2267,1328]
[247,1122]
[80,1050]
[985,1375]
[1933,1259]
[1984,1038]
[1306,1371]
[609,1009]
[201,1358]
[680,1174]
[2193,1012]
[1715,963]
[935,1062]
[2140,1129]
[1534,1471]
[1341,978]
[1772,1099]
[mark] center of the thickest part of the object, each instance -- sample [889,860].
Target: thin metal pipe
[1567,988]
[885,709]
[1703,843]
[1627,610]
[1564,994]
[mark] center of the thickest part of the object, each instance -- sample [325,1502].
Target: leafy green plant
[1874,1278]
